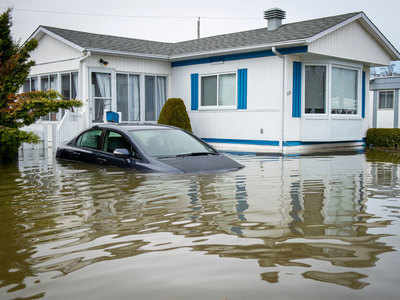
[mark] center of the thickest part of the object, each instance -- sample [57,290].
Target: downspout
[283,94]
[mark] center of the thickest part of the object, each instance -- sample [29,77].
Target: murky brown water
[315,227]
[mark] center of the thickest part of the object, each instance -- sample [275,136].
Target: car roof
[129,127]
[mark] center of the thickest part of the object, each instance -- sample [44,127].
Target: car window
[90,139]
[114,140]
[167,142]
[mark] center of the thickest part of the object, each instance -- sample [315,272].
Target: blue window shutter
[242,89]
[296,93]
[363,95]
[194,88]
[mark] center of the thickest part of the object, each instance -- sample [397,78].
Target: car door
[87,146]
[116,140]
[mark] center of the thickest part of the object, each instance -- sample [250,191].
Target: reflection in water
[306,217]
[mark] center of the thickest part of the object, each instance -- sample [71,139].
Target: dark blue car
[146,148]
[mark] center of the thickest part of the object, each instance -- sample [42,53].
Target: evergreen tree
[18,110]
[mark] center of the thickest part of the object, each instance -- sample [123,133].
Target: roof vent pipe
[274,16]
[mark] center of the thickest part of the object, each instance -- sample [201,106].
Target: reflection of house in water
[288,210]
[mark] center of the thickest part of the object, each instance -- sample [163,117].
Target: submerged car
[156,148]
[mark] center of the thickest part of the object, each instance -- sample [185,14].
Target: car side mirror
[122,153]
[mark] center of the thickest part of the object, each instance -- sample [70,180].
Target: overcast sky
[175,20]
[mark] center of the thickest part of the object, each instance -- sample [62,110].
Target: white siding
[351,42]
[385,118]
[52,55]
[264,97]
[128,64]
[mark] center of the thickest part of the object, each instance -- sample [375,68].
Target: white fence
[53,134]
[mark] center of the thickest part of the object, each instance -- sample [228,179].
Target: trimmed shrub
[174,113]
[383,137]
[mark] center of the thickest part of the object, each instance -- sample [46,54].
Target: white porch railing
[70,125]
[54,133]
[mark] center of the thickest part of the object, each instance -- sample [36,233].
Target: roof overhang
[40,31]
[369,26]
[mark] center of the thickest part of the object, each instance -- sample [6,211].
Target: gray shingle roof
[109,42]
[286,32]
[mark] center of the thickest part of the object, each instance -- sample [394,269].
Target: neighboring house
[287,88]
[385,101]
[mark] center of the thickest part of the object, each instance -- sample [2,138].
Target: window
[128,97]
[168,142]
[90,139]
[386,99]
[101,91]
[155,96]
[69,85]
[315,89]
[114,141]
[30,85]
[68,88]
[218,90]
[344,97]
[49,82]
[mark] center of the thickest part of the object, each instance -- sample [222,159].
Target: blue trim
[299,143]
[228,57]
[363,96]
[244,142]
[194,88]
[296,96]
[242,89]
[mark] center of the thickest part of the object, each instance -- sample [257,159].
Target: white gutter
[124,53]
[283,93]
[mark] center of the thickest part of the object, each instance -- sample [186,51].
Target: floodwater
[309,227]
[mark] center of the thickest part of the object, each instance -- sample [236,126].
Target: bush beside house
[174,113]
[383,137]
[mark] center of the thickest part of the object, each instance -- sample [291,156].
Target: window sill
[211,108]
[316,117]
[346,117]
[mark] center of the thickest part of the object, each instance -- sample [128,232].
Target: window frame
[144,103]
[329,63]
[217,107]
[327,91]
[101,141]
[379,100]
[140,94]
[359,91]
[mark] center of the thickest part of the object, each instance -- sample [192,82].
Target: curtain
[227,90]
[44,83]
[134,98]
[34,84]
[53,82]
[103,82]
[65,87]
[74,85]
[344,91]
[315,85]
[122,96]
[102,89]
[160,94]
[150,98]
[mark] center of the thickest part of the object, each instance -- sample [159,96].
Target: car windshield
[168,142]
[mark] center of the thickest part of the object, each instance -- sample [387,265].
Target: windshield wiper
[196,154]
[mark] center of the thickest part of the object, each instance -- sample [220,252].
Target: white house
[385,101]
[285,88]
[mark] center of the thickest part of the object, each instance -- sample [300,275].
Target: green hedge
[174,113]
[383,137]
